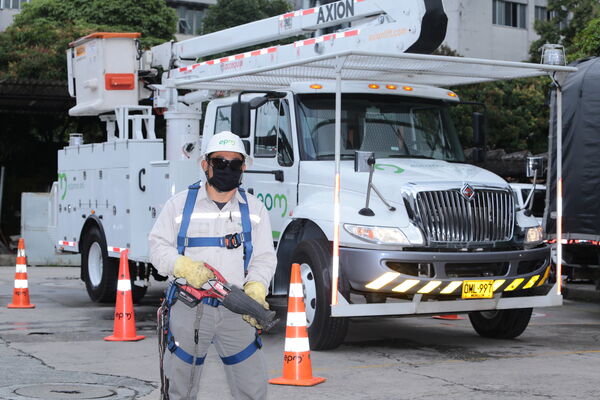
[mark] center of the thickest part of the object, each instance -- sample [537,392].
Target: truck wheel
[501,324]
[99,271]
[325,332]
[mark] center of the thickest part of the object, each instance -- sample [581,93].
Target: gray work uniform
[194,329]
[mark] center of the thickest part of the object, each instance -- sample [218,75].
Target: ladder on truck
[381,43]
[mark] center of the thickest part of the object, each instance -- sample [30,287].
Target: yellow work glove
[194,272]
[258,292]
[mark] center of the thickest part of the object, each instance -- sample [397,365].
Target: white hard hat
[226,141]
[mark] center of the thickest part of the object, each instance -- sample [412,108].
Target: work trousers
[194,329]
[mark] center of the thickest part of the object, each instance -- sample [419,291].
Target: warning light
[451,94]
[407,88]
[373,86]
[392,87]
[316,86]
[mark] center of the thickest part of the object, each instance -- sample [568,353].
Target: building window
[541,14]
[509,13]
[190,21]
[13,4]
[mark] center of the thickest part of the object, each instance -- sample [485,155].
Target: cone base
[113,338]
[448,317]
[20,306]
[297,382]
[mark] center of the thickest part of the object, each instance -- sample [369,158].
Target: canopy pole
[559,189]
[336,194]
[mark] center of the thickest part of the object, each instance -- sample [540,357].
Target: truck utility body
[443,237]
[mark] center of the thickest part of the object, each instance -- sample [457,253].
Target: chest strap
[231,241]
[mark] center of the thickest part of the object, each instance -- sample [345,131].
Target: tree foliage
[34,45]
[568,18]
[229,13]
[587,42]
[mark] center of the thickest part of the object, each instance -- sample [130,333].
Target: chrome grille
[446,216]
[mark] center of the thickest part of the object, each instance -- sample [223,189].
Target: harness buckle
[233,241]
[185,241]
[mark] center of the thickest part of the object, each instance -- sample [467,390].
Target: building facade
[8,10]
[495,29]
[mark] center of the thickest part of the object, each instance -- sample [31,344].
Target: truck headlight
[377,234]
[533,235]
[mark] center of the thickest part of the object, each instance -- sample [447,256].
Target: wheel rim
[95,264]
[309,289]
[489,314]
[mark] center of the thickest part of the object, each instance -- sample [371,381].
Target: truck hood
[391,174]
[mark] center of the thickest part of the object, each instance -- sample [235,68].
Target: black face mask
[225,180]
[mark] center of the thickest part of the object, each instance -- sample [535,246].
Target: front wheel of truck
[501,324]
[325,332]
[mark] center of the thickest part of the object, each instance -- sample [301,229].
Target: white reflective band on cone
[20,283]
[296,319]
[297,345]
[21,268]
[21,253]
[296,290]
[123,285]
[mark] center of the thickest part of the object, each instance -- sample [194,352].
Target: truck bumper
[441,275]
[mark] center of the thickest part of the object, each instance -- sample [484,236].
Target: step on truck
[354,154]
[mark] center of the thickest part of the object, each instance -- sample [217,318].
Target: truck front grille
[448,217]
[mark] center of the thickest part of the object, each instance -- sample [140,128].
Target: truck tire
[99,271]
[501,324]
[325,332]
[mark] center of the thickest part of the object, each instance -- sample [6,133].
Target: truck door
[273,176]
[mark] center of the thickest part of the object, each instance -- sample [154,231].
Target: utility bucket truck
[354,155]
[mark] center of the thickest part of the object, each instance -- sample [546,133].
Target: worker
[219,224]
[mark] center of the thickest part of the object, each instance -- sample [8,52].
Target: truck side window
[223,119]
[272,135]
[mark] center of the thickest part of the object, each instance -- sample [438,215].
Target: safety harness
[192,296]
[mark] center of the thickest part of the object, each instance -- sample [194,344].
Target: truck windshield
[389,126]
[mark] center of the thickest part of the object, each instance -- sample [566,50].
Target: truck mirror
[240,119]
[478,129]
[535,166]
[258,102]
[363,161]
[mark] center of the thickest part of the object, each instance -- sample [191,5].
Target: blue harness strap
[246,228]
[188,208]
[244,354]
[228,241]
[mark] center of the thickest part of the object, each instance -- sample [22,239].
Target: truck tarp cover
[581,154]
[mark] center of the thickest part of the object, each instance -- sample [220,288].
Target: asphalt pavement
[57,351]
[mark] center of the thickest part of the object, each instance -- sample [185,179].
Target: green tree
[568,18]
[34,45]
[587,42]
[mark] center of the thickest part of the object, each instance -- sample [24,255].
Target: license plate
[477,289]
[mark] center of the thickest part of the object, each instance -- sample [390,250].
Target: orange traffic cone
[21,290]
[447,317]
[297,368]
[124,326]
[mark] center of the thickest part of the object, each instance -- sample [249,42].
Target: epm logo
[277,201]
[335,11]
